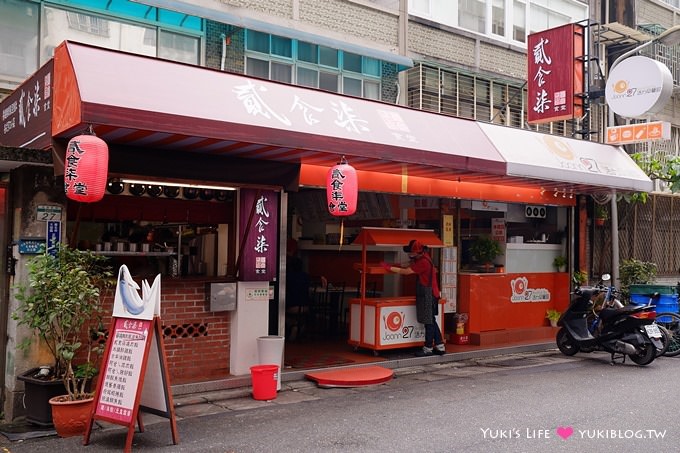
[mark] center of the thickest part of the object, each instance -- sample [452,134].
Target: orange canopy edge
[396,236]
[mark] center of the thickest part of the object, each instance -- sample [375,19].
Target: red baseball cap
[414,246]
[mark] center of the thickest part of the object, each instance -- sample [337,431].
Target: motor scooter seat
[608,313]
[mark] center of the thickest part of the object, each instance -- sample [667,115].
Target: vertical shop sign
[498,231]
[555,74]
[53,236]
[259,233]
[447,230]
[27,112]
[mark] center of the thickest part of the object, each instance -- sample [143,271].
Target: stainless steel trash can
[270,351]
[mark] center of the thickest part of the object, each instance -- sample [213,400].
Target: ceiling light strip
[175,184]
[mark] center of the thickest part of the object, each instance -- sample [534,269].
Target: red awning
[141,101]
[396,237]
[139,104]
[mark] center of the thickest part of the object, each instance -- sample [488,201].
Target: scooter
[621,331]
[611,300]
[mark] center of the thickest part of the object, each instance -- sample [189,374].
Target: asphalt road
[520,403]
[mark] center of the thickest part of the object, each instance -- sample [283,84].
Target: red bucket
[265,378]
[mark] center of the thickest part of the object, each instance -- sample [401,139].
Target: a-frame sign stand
[134,375]
[134,361]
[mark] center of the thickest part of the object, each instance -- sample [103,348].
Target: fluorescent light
[175,184]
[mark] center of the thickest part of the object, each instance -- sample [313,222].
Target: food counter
[387,322]
[496,301]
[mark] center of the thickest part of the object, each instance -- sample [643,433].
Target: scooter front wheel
[565,343]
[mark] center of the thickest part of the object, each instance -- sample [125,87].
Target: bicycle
[671,322]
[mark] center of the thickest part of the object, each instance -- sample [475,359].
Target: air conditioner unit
[535,212]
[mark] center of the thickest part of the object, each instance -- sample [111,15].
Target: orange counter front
[386,323]
[497,301]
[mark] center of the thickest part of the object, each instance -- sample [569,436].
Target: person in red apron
[427,295]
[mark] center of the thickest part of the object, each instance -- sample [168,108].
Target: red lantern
[342,189]
[85,168]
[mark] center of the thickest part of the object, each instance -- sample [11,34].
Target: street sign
[53,236]
[636,133]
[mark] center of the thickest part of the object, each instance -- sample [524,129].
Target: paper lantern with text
[342,189]
[85,168]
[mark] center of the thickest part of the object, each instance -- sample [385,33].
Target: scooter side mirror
[606,277]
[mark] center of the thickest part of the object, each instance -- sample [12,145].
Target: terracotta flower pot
[70,418]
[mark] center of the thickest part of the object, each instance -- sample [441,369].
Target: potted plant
[553,316]
[485,250]
[634,275]
[60,302]
[579,278]
[601,214]
[560,263]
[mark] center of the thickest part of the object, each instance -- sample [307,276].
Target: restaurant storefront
[228,143]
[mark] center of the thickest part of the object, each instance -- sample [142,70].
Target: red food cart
[380,323]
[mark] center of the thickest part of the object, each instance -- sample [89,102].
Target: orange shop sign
[636,133]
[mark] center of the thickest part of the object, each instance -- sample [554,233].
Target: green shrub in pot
[60,302]
[484,250]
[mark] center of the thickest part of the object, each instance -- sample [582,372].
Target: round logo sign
[638,86]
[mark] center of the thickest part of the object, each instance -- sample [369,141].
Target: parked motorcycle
[611,300]
[621,331]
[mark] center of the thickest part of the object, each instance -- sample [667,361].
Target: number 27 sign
[47,213]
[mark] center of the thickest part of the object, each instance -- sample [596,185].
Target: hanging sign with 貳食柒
[555,74]
[86,166]
[342,189]
[258,228]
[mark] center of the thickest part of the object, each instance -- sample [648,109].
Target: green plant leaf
[58,301]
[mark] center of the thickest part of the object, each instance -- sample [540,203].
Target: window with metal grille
[87,23]
[454,93]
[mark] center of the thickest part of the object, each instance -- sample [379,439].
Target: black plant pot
[37,394]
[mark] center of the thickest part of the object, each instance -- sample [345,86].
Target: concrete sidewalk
[193,400]
[235,394]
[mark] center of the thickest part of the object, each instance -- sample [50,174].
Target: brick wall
[283,8]
[351,20]
[654,12]
[197,341]
[435,43]
[498,60]
[389,83]
[234,50]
